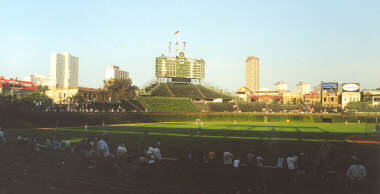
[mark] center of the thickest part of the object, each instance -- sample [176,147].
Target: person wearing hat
[355,174]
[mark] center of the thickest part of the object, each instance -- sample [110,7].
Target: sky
[309,41]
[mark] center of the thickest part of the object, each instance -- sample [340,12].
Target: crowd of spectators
[95,153]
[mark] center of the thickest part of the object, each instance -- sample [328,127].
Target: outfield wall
[75,119]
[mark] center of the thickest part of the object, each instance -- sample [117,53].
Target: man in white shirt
[228,156]
[291,161]
[121,150]
[102,147]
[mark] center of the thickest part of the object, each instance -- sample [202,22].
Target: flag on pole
[184,46]
[170,47]
[176,33]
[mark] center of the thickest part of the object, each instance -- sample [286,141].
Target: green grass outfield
[268,139]
[179,132]
[335,132]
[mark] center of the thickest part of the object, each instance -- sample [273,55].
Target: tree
[42,89]
[119,90]
[76,99]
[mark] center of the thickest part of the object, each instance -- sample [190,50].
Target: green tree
[76,99]
[42,89]
[119,90]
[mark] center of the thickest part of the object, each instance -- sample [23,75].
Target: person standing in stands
[2,136]
[251,158]
[228,158]
[102,148]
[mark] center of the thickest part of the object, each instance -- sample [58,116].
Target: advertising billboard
[351,87]
[329,86]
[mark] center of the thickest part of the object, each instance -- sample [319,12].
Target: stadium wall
[75,119]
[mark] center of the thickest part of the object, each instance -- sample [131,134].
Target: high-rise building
[114,72]
[303,88]
[280,86]
[64,70]
[252,73]
[40,80]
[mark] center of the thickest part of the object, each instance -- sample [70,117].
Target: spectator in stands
[355,175]
[302,164]
[102,148]
[157,151]
[19,140]
[251,158]
[67,144]
[211,157]
[236,163]
[121,150]
[228,158]
[291,161]
[48,143]
[2,136]
[57,145]
[259,161]
[280,161]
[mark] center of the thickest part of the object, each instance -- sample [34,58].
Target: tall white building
[64,70]
[114,72]
[303,88]
[40,80]
[252,73]
[281,86]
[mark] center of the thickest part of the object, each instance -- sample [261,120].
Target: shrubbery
[167,104]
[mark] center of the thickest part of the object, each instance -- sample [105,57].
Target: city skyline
[308,41]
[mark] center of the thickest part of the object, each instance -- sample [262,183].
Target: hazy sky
[311,41]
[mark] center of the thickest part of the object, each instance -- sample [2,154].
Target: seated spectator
[302,164]
[211,156]
[228,156]
[121,150]
[259,161]
[67,144]
[236,163]
[355,174]
[57,145]
[19,140]
[251,158]
[157,152]
[280,161]
[48,143]
[291,161]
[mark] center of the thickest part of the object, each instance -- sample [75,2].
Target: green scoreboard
[180,67]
